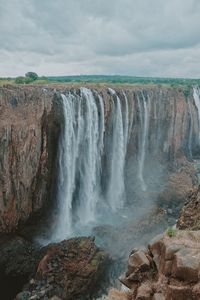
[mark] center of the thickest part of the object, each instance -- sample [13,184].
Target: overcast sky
[133,37]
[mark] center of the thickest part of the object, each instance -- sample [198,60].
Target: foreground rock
[69,270]
[190,214]
[168,270]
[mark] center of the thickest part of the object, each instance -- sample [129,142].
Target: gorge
[95,160]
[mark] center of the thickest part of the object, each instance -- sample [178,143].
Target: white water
[80,159]
[144,123]
[126,123]
[89,162]
[196,95]
[190,130]
[68,152]
[115,193]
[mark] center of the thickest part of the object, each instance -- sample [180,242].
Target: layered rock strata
[29,131]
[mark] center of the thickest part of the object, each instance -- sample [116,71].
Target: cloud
[135,37]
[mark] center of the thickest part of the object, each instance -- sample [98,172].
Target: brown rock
[29,127]
[179,293]
[177,276]
[144,292]
[196,291]
[158,296]
[138,260]
[186,265]
[77,267]
[189,217]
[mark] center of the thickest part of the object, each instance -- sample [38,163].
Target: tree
[32,75]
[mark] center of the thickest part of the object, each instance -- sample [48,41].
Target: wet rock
[77,269]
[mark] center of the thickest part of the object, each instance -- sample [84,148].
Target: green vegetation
[94,262]
[29,78]
[82,243]
[33,78]
[119,79]
[171,232]
[32,75]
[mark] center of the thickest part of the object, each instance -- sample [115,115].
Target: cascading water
[144,124]
[93,148]
[190,130]
[196,96]
[80,159]
[68,152]
[89,162]
[115,193]
[80,152]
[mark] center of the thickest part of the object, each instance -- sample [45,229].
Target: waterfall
[80,150]
[80,159]
[190,130]
[89,161]
[144,123]
[196,96]
[115,193]
[126,122]
[93,151]
[68,152]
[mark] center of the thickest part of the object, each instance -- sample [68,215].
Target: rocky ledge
[167,270]
[71,269]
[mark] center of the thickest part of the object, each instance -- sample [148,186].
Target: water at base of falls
[81,198]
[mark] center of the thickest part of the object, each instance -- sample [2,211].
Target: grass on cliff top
[109,79]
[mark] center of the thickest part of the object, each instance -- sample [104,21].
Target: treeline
[124,80]
[32,77]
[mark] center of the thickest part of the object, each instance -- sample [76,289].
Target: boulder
[144,292]
[158,296]
[71,269]
[168,270]
[138,260]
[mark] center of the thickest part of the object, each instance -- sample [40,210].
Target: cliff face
[28,138]
[162,123]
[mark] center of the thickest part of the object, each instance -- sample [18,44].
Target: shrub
[171,231]
[32,75]
[23,80]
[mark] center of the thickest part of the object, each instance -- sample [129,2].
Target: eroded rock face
[178,187]
[169,269]
[190,213]
[29,131]
[69,270]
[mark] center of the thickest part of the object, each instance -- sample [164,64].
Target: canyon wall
[29,130]
[162,123]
